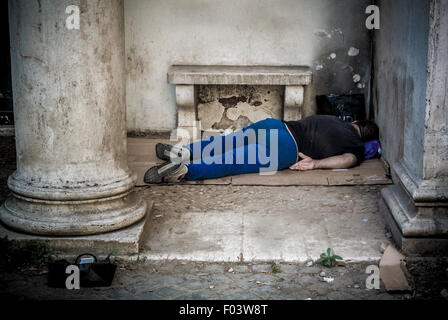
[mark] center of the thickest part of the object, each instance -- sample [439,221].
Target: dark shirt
[320,137]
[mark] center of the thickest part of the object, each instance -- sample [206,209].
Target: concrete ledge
[412,235]
[240,75]
[422,191]
[186,78]
[126,241]
[409,217]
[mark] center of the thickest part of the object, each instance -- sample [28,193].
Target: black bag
[92,273]
[347,107]
[56,273]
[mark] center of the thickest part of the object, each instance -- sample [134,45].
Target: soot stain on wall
[222,107]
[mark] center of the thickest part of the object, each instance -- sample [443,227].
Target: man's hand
[305,164]
[343,161]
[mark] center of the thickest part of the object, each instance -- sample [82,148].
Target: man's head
[367,129]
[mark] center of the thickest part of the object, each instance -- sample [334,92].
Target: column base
[126,241]
[72,218]
[413,234]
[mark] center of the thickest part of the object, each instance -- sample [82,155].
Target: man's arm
[344,161]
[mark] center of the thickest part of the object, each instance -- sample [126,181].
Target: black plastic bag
[347,107]
[92,274]
[56,273]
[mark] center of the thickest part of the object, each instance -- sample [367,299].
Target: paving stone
[241,280]
[310,270]
[170,293]
[283,296]
[302,294]
[167,280]
[190,277]
[238,276]
[320,288]
[241,268]
[213,269]
[266,268]
[359,279]
[146,296]
[264,278]
[204,295]
[384,296]
[290,269]
[186,296]
[214,278]
[336,295]
[144,286]
[265,292]
[307,280]
[194,285]
[339,270]
[357,292]
[224,287]
[339,284]
[230,292]
[242,295]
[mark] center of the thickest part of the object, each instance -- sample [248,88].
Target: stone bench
[187,78]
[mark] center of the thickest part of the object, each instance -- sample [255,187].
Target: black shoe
[169,172]
[168,152]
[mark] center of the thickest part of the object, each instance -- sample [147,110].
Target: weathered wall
[399,88]
[235,107]
[317,33]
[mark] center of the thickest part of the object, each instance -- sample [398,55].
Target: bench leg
[292,108]
[186,100]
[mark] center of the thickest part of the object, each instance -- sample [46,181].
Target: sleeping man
[267,146]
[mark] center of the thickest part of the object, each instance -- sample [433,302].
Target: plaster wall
[315,33]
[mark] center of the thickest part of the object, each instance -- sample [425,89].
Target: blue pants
[265,146]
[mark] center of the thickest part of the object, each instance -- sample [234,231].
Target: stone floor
[183,280]
[254,223]
[199,281]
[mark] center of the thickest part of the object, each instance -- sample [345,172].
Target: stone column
[72,174]
[417,208]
